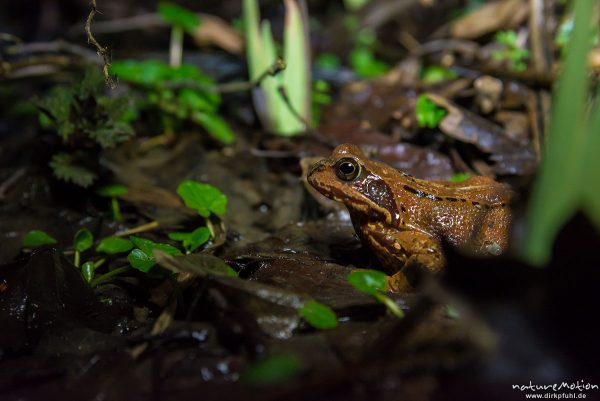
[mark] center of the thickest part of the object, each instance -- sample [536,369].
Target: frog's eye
[347,169]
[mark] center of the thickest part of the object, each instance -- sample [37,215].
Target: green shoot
[159,83]
[428,113]
[87,271]
[192,240]
[363,62]
[142,257]
[204,198]
[515,55]
[82,241]
[36,238]
[114,245]
[182,20]
[112,192]
[318,315]
[435,74]
[372,282]
[287,115]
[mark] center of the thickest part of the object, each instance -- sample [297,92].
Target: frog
[404,220]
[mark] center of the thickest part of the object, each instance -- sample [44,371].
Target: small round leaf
[367,281]
[205,198]
[112,191]
[318,315]
[114,245]
[35,238]
[179,16]
[83,240]
[87,270]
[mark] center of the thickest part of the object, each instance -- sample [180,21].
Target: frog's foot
[398,283]
[412,273]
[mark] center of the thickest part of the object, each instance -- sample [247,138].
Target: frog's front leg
[406,254]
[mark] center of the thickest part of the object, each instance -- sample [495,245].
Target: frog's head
[348,176]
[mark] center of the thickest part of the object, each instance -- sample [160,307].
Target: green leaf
[194,101]
[87,270]
[364,63]
[83,240]
[35,238]
[460,177]
[192,240]
[65,168]
[272,370]
[328,61]
[112,191]
[368,281]
[215,126]
[557,189]
[435,73]
[318,315]
[177,15]
[204,198]
[114,245]
[295,79]
[428,113]
[142,258]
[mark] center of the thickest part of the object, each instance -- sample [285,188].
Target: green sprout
[142,256]
[182,20]
[515,55]
[206,200]
[318,315]
[113,192]
[372,282]
[282,100]
[82,241]
[362,58]
[428,113]
[435,74]
[191,241]
[180,93]
[37,238]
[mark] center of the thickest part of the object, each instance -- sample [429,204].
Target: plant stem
[107,276]
[391,305]
[116,209]
[176,46]
[139,229]
[77,258]
[99,263]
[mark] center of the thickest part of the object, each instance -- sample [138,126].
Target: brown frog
[403,219]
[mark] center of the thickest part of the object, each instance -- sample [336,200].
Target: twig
[275,69]
[102,51]
[10,181]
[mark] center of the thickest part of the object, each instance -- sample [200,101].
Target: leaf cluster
[87,121]
[182,93]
